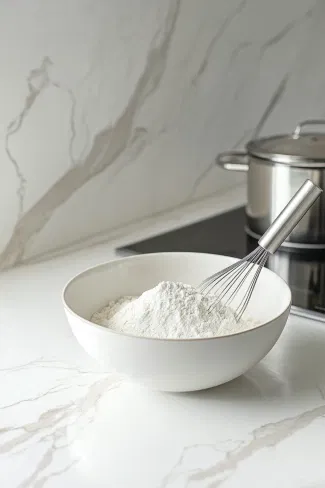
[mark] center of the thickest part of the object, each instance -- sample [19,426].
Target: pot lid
[306,150]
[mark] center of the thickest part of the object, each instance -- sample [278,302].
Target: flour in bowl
[170,311]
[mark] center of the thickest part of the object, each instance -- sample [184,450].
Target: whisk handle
[292,213]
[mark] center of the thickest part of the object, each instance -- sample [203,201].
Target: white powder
[170,311]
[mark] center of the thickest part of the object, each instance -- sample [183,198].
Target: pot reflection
[303,271]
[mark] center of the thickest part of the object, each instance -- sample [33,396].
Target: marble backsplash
[112,111]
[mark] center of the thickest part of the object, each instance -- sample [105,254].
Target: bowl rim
[190,339]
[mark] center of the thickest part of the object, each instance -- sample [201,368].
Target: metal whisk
[237,282]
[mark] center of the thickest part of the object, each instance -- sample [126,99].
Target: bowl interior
[92,289]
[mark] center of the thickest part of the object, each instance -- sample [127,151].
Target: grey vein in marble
[279,36]
[274,101]
[41,481]
[37,82]
[72,126]
[40,362]
[52,427]
[280,89]
[108,145]
[50,391]
[220,32]
[141,140]
[264,437]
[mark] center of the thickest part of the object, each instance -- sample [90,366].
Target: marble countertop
[66,423]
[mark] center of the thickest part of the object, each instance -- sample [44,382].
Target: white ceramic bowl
[173,364]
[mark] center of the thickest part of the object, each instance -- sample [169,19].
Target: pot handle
[296,133]
[233,160]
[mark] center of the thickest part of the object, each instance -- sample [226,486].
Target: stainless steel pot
[276,167]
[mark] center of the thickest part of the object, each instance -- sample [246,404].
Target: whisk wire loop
[228,283]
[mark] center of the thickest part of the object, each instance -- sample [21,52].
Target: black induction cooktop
[304,271]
